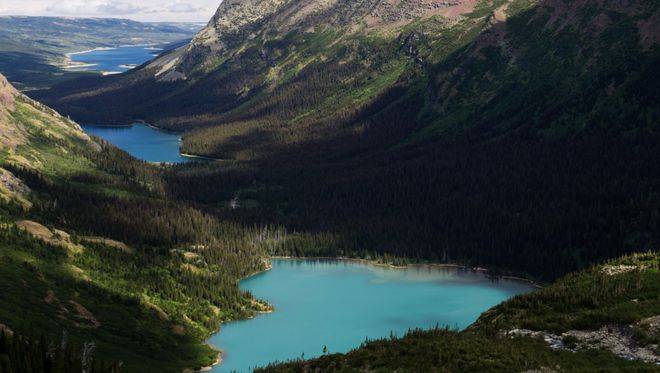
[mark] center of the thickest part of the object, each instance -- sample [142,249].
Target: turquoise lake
[142,141]
[113,60]
[139,140]
[339,304]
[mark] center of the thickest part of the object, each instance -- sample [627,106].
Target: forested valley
[527,144]
[521,136]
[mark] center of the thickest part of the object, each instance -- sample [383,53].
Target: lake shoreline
[108,125]
[200,157]
[218,361]
[157,128]
[376,263]
[209,367]
[67,63]
[269,262]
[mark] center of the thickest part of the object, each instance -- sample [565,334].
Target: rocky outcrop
[14,189]
[238,21]
[54,237]
[233,22]
[7,94]
[619,340]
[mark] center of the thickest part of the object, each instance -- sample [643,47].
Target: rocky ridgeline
[237,21]
[388,12]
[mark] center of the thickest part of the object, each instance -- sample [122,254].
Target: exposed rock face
[237,21]
[10,135]
[14,189]
[617,339]
[7,93]
[233,16]
[233,20]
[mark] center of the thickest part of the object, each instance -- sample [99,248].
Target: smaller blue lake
[112,60]
[338,304]
[142,141]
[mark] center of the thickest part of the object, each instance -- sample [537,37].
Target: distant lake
[142,141]
[339,303]
[112,60]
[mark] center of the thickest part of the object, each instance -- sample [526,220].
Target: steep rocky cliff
[239,21]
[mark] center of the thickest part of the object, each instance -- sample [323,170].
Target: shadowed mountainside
[95,258]
[517,134]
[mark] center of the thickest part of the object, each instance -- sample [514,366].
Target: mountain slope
[246,51]
[96,257]
[521,135]
[315,71]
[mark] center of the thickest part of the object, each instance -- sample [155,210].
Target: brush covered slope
[521,135]
[605,318]
[96,259]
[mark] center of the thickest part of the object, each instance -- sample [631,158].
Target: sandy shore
[217,361]
[90,50]
[77,65]
[199,157]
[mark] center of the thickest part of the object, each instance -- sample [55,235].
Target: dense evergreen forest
[92,247]
[22,354]
[521,136]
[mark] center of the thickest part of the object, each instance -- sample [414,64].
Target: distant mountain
[32,48]
[252,48]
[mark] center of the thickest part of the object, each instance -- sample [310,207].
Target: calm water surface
[113,60]
[142,141]
[139,140]
[340,303]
